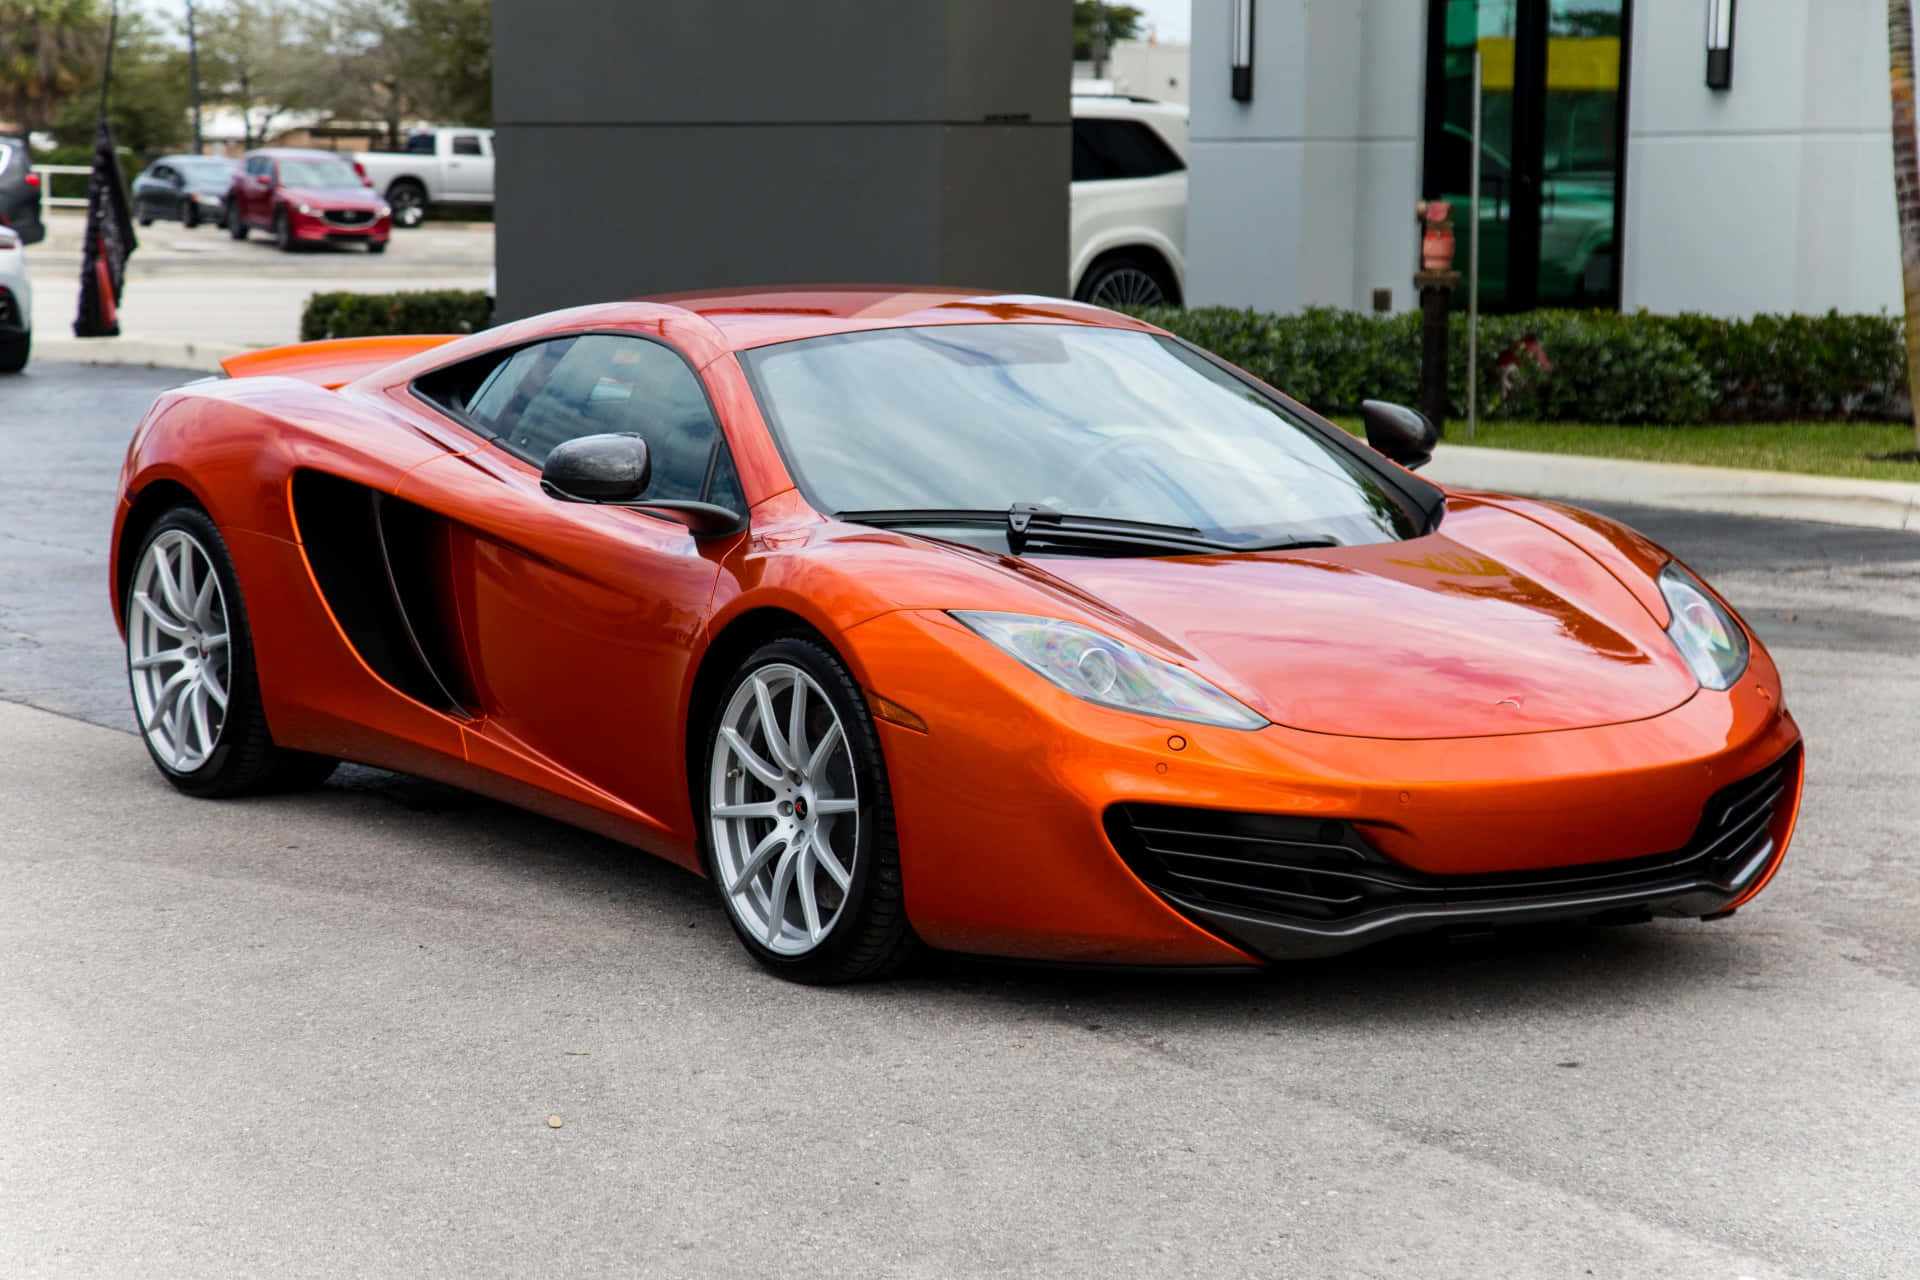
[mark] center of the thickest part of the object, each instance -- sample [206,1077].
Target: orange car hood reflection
[1437,637]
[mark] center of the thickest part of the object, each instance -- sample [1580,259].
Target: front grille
[349,217]
[1324,873]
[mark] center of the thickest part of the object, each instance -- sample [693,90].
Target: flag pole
[106,75]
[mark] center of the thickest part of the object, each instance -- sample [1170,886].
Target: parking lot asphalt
[329,1034]
[200,285]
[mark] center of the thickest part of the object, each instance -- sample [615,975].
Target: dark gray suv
[20,191]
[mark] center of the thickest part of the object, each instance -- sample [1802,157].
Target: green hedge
[365,315]
[1589,367]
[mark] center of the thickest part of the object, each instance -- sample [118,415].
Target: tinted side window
[1105,149]
[420,144]
[597,383]
[466,145]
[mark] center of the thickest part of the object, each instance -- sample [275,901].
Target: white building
[1612,174]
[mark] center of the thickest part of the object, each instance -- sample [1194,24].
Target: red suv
[306,197]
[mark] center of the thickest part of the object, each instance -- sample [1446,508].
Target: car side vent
[366,552]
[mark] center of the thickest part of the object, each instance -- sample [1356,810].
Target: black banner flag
[110,240]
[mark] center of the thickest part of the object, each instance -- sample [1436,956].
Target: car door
[579,622]
[469,167]
[256,191]
[169,187]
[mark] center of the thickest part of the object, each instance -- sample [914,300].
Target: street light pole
[193,77]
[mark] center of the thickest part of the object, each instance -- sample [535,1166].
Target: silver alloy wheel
[783,804]
[1128,287]
[178,652]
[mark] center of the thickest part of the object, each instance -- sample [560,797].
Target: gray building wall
[1776,195]
[1306,194]
[690,144]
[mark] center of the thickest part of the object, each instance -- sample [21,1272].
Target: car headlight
[1706,635]
[385,210]
[307,209]
[1102,670]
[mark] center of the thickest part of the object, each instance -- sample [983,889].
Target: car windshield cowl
[1029,523]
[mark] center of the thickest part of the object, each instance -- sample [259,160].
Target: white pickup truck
[439,166]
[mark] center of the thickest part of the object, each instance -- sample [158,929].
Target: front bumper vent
[1320,878]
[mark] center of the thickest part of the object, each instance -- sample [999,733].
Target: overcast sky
[1170,19]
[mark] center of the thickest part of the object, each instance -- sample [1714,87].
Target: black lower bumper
[1291,888]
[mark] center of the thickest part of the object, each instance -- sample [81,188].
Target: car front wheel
[236,225]
[800,840]
[1127,280]
[14,350]
[409,202]
[283,232]
[190,665]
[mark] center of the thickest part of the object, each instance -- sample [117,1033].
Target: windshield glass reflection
[1095,422]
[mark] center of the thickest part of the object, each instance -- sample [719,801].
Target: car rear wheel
[799,832]
[409,201]
[190,667]
[1128,280]
[236,225]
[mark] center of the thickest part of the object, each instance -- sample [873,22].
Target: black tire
[190,215]
[145,219]
[236,225]
[283,232]
[409,202]
[245,759]
[871,937]
[14,350]
[1128,278]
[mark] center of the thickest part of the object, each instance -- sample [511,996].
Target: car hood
[334,197]
[1493,625]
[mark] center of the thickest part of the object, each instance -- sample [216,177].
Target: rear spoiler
[334,363]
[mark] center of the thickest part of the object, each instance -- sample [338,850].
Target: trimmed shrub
[1796,367]
[367,315]
[1587,366]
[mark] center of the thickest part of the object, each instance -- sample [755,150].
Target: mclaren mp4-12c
[1000,625]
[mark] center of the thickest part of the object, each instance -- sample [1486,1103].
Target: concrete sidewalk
[1872,504]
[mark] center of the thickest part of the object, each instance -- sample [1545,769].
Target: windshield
[318,175]
[203,169]
[1095,422]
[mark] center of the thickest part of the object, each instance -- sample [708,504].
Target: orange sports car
[1003,625]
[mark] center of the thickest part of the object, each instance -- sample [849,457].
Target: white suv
[16,303]
[1129,201]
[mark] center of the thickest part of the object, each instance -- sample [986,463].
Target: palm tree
[47,49]
[1906,186]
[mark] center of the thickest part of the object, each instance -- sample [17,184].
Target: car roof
[759,317]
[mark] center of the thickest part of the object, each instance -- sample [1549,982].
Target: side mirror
[608,468]
[1407,436]
[613,470]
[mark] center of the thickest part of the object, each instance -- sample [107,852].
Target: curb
[201,357]
[1776,495]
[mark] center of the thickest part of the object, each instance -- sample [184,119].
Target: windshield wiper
[1027,523]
